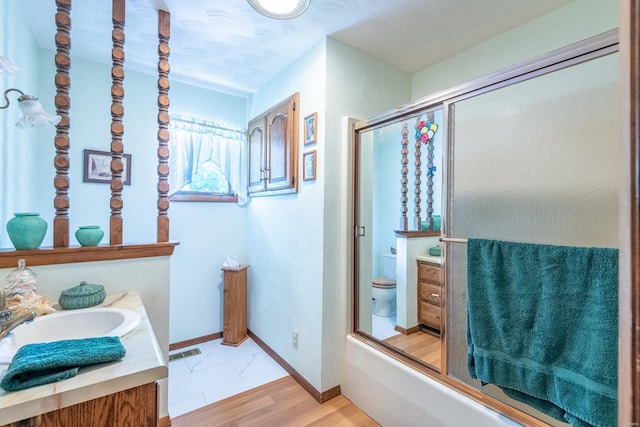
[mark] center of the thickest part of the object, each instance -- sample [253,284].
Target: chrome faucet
[6,326]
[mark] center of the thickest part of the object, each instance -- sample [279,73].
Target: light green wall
[297,255]
[207,232]
[18,175]
[285,234]
[576,21]
[358,86]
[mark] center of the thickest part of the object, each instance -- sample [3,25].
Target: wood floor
[280,403]
[422,345]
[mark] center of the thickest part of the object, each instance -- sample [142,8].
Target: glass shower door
[535,162]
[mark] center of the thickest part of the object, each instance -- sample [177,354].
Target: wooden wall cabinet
[234,330]
[430,295]
[273,150]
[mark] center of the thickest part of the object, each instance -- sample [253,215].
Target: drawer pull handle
[435,295]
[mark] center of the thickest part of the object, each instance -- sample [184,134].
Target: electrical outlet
[294,339]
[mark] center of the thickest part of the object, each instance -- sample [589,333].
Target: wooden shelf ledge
[49,256]
[414,233]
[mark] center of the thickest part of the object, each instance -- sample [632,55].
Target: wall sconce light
[33,115]
[6,66]
[280,9]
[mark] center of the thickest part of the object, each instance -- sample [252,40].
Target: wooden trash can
[235,305]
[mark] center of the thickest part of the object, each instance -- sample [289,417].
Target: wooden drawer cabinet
[430,295]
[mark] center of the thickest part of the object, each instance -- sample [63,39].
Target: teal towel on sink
[543,326]
[44,363]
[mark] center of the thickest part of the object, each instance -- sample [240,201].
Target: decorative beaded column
[418,179]
[404,171]
[117,129]
[430,119]
[164,29]
[61,141]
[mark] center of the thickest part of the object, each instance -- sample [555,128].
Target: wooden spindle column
[418,179]
[61,140]
[164,29]
[117,129]
[404,171]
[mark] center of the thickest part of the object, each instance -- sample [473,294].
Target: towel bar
[452,240]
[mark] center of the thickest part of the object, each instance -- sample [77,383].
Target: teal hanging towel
[43,363]
[543,326]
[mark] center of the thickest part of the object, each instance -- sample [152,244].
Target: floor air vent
[184,354]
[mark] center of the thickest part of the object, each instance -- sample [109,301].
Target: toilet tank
[389,265]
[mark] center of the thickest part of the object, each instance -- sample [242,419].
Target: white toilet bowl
[384,294]
[384,288]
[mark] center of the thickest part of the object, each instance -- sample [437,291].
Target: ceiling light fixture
[33,115]
[280,9]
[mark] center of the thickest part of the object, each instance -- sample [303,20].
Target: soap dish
[82,296]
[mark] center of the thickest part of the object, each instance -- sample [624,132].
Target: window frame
[205,196]
[199,196]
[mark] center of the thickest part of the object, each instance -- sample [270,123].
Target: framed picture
[311,129]
[97,167]
[309,166]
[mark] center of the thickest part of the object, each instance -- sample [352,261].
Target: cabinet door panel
[257,155]
[278,152]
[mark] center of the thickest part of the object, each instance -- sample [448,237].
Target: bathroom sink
[70,324]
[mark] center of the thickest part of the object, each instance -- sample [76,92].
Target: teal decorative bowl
[89,235]
[82,296]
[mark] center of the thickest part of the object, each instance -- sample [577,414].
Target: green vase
[89,235]
[26,230]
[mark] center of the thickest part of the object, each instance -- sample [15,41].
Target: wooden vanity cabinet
[430,295]
[133,407]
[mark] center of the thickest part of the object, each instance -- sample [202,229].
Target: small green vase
[89,235]
[26,230]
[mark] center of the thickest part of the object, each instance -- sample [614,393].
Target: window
[205,162]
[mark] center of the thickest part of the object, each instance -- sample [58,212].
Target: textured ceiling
[225,45]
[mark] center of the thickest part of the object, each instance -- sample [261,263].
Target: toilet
[384,288]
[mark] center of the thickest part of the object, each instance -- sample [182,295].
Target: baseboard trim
[194,341]
[321,397]
[164,422]
[409,331]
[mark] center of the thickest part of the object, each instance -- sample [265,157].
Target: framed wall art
[311,129]
[309,166]
[97,167]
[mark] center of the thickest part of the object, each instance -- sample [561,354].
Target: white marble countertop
[429,258]
[142,364]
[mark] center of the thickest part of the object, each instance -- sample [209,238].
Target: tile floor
[383,327]
[218,372]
